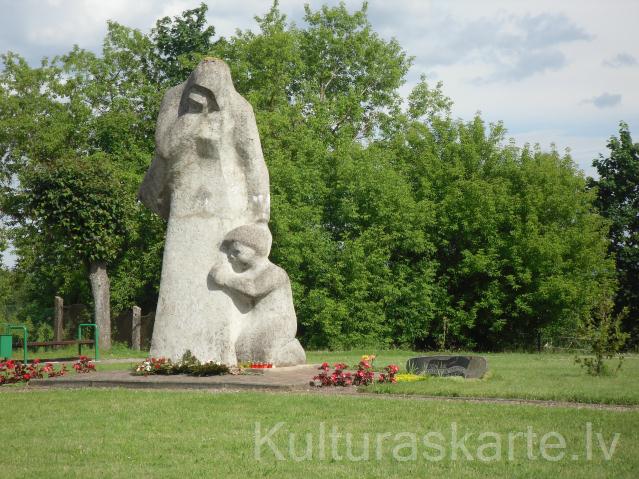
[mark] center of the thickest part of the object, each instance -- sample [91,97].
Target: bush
[602,332]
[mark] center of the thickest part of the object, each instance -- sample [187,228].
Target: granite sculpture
[219,297]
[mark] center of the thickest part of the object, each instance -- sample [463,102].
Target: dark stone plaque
[470,367]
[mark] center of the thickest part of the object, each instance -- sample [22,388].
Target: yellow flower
[409,378]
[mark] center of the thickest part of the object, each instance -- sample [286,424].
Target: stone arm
[249,283]
[249,149]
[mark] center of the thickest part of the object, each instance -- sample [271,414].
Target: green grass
[513,375]
[122,433]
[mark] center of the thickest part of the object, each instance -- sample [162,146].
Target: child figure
[268,331]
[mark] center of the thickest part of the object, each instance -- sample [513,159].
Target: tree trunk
[101,288]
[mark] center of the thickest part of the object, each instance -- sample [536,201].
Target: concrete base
[285,378]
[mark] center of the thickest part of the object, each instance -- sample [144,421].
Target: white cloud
[621,60]
[605,100]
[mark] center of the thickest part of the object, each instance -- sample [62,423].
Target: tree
[179,45]
[69,140]
[518,244]
[81,206]
[618,200]
[601,332]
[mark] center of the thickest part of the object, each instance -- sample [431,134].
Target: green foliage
[79,204]
[518,245]
[78,136]
[180,43]
[618,200]
[602,333]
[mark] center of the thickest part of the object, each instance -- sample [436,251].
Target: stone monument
[220,297]
[469,367]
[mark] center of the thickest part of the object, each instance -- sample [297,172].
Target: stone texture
[282,379]
[208,177]
[58,318]
[136,328]
[470,367]
[263,291]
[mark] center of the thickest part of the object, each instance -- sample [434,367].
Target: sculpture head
[248,244]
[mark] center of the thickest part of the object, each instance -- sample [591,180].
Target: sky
[554,72]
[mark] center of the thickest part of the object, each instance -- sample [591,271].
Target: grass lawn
[122,433]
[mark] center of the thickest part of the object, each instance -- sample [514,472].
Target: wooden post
[136,328]
[58,314]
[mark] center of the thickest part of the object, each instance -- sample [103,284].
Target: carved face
[241,255]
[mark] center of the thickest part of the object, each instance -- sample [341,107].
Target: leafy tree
[618,200]
[601,332]
[75,110]
[80,205]
[179,44]
[519,246]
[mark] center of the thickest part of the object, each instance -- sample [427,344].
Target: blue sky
[562,72]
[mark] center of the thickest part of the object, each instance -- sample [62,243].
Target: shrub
[602,332]
[209,369]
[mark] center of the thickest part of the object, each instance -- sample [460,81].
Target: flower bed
[189,364]
[14,372]
[362,376]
